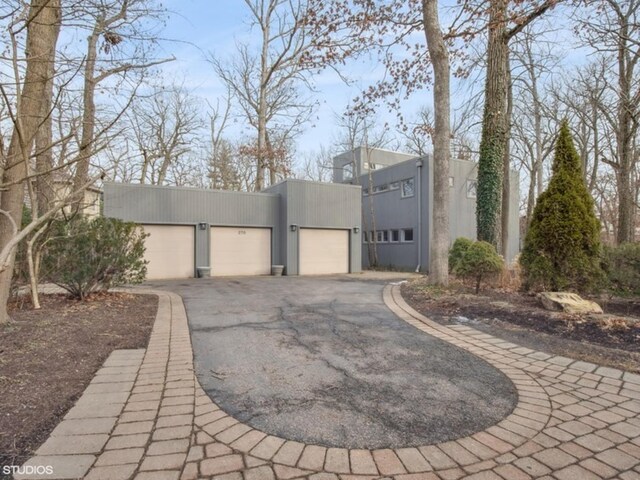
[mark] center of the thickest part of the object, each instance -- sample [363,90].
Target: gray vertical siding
[319,205]
[361,155]
[514,216]
[306,204]
[189,206]
[391,211]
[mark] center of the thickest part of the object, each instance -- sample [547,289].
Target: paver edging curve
[202,441]
[251,441]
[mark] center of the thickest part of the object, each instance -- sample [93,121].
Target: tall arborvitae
[562,246]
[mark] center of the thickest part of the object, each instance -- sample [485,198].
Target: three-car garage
[307,228]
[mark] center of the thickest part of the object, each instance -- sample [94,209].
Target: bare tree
[439,55]
[268,84]
[534,118]
[166,127]
[43,27]
[316,166]
[612,28]
[120,26]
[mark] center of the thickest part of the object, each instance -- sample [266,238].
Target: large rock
[568,303]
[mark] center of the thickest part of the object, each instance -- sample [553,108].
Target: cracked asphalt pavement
[322,360]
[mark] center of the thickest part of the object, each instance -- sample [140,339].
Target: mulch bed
[49,356]
[612,339]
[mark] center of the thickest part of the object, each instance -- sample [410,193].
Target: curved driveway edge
[574,420]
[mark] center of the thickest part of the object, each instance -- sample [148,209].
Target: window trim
[472,181]
[383,234]
[403,238]
[406,181]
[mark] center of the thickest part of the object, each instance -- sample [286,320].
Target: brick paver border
[145,416]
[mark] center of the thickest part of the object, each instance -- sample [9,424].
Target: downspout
[419,199]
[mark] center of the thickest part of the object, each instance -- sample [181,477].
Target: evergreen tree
[562,247]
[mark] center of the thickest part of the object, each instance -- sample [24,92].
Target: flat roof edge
[191,189]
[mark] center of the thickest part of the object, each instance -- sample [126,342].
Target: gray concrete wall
[298,202]
[361,155]
[463,206]
[190,206]
[319,205]
[391,211]
[514,217]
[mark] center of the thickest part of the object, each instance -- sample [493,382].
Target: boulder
[568,303]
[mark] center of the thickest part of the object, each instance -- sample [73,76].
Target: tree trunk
[439,251]
[42,35]
[262,107]
[531,198]
[494,127]
[506,167]
[88,115]
[44,153]
[624,139]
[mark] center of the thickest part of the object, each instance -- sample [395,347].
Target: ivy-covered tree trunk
[494,128]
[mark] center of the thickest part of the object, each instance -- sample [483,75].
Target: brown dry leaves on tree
[393,30]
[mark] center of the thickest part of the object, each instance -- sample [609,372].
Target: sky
[197,28]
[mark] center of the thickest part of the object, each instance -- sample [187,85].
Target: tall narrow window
[472,186]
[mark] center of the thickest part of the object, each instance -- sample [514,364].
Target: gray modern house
[307,227]
[380,205]
[397,199]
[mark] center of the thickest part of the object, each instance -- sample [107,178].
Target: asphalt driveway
[323,360]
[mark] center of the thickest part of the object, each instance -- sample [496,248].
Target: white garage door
[170,251]
[240,251]
[323,251]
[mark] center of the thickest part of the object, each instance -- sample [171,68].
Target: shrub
[87,256]
[622,268]
[459,248]
[562,247]
[479,262]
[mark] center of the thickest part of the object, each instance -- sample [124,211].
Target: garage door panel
[169,249]
[323,251]
[240,251]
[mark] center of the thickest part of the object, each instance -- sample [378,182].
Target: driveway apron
[323,360]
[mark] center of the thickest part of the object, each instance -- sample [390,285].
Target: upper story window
[408,187]
[381,188]
[395,235]
[472,187]
[365,191]
[451,181]
[407,235]
[394,185]
[382,236]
